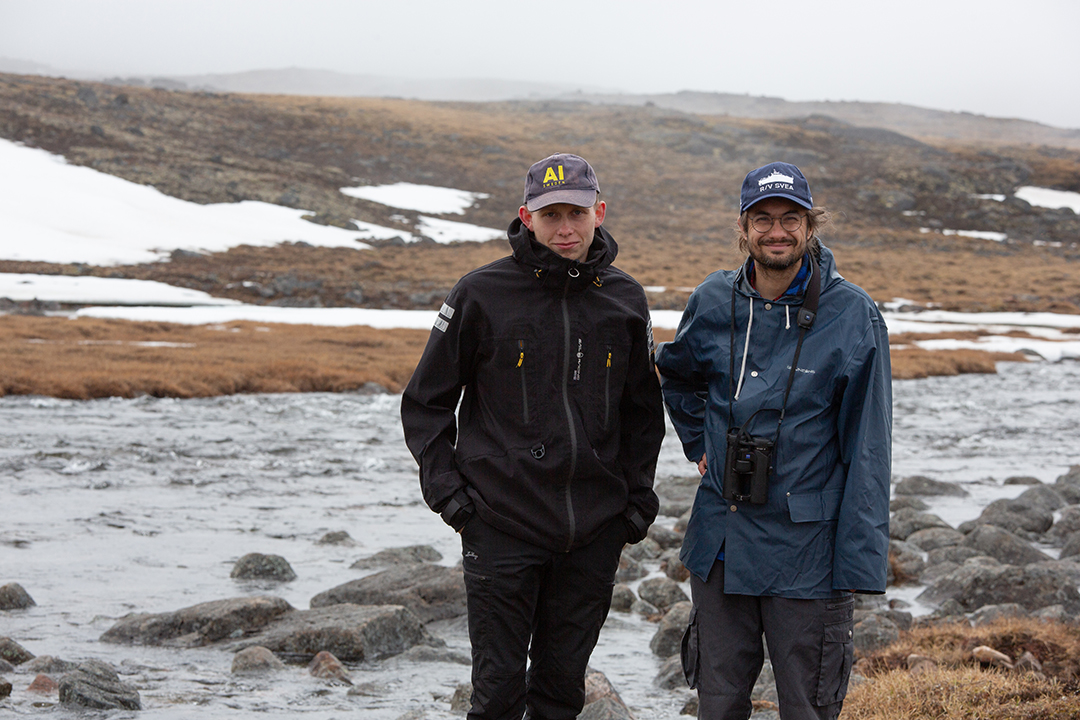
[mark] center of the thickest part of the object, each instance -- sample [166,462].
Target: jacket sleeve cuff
[458,510]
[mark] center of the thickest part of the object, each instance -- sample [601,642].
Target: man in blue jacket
[787,410]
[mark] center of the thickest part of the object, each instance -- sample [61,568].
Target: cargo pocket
[837,651]
[689,652]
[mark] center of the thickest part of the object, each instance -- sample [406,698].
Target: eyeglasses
[789,221]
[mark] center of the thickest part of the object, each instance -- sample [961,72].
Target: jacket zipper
[607,389]
[569,417]
[524,390]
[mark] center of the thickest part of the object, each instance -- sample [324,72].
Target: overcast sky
[1004,58]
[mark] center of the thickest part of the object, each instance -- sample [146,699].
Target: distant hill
[918,122]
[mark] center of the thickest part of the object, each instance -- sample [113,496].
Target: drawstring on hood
[746,348]
[549,266]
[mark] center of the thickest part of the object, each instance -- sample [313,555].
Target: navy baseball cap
[776,179]
[561,178]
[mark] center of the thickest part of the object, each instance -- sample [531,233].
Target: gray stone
[936,571]
[94,684]
[431,592]
[671,675]
[1054,613]
[629,568]
[921,485]
[1067,524]
[411,554]
[676,493]
[427,653]
[672,566]
[935,537]
[647,549]
[622,598]
[49,665]
[900,618]
[13,652]
[13,597]
[765,685]
[461,701]
[1022,480]
[1041,497]
[255,660]
[908,502]
[606,708]
[1072,477]
[663,592]
[327,667]
[1071,548]
[5,688]
[6,667]
[874,633]
[337,537]
[667,640]
[665,538]
[645,609]
[905,561]
[256,566]
[197,625]
[681,523]
[1003,545]
[950,553]
[907,521]
[351,633]
[1032,586]
[988,614]
[1017,516]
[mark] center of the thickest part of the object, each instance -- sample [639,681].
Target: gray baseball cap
[561,178]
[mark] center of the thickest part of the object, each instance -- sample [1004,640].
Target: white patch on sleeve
[447,311]
[441,324]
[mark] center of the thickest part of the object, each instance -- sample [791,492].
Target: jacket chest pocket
[606,377]
[508,387]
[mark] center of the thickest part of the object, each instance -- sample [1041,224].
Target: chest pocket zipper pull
[607,390]
[524,386]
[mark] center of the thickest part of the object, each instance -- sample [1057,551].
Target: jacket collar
[546,264]
[826,264]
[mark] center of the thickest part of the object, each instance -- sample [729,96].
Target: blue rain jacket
[825,525]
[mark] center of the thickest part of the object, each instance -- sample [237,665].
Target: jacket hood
[531,254]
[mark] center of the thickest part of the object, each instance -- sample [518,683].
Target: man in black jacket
[546,469]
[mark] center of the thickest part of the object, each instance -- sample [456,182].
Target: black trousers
[810,646]
[528,604]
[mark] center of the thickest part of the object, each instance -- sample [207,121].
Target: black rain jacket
[561,421]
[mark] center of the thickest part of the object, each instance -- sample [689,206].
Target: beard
[774,262]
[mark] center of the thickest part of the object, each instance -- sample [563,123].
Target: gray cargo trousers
[810,646]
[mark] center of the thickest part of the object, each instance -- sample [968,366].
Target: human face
[777,249]
[565,229]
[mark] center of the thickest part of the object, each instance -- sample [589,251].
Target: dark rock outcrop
[1035,586]
[256,566]
[96,685]
[14,597]
[351,633]
[197,625]
[431,592]
[13,652]
[1003,545]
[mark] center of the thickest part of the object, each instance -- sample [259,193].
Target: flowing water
[118,506]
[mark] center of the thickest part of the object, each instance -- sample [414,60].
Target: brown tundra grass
[93,358]
[959,688]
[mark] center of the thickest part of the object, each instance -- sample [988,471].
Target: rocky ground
[988,571]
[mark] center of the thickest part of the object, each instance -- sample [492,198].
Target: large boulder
[14,597]
[1034,586]
[904,522]
[1003,545]
[905,561]
[668,638]
[873,633]
[352,633]
[663,592]
[921,485]
[431,592]
[1017,516]
[933,538]
[94,684]
[197,625]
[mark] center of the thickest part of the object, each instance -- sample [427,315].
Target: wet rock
[1022,480]
[874,633]
[1016,516]
[765,685]
[1068,524]
[606,708]
[352,633]
[663,592]
[49,665]
[935,572]
[671,675]
[14,597]
[622,598]
[989,656]
[324,665]
[676,493]
[905,561]
[461,701]
[905,522]
[399,556]
[337,537]
[989,614]
[1071,548]
[672,566]
[1054,613]
[950,553]
[629,569]
[42,684]
[255,660]
[935,537]
[900,618]
[256,566]
[426,653]
[6,667]
[199,624]
[598,686]
[5,688]
[431,592]
[691,706]
[681,523]
[13,652]
[665,538]
[1003,545]
[1041,497]
[96,685]
[1032,586]
[668,638]
[645,609]
[647,549]
[907,502]
[921,485]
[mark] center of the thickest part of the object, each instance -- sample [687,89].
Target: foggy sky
[1002,58]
